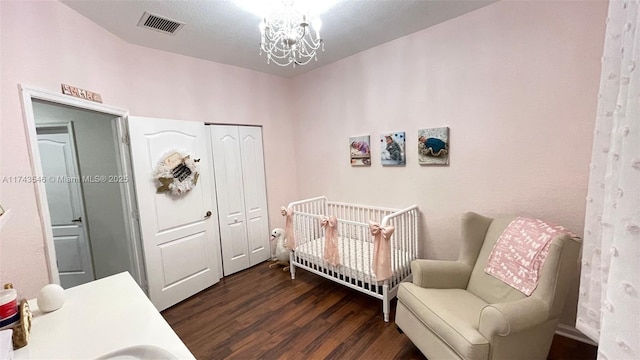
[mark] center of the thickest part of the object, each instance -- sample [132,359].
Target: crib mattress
[355,257]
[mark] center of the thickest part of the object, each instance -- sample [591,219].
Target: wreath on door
[176,173]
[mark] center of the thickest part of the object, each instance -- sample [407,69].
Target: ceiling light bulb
[317,24]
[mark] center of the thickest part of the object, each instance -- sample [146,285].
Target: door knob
[77,220]
[207,215]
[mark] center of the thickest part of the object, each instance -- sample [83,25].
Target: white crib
[355,244]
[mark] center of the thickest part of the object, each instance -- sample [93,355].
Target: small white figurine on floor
[282,253]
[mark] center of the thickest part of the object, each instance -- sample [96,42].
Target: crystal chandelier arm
[313,45]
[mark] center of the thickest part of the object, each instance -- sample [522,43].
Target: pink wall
[46,43]
[517,84]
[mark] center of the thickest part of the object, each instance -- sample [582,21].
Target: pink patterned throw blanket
[520,252]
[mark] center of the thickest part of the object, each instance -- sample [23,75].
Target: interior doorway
[86,198]
[66,202]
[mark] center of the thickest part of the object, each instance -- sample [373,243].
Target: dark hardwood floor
[260,313]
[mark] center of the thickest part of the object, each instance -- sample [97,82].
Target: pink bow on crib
[290,243]
[381,262]
[331,254]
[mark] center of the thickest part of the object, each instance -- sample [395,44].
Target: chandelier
[287,38]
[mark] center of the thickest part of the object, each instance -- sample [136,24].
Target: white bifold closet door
[238,162]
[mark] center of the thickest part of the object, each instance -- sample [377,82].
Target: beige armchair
[454,310]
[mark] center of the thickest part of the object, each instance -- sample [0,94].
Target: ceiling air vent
[159,23]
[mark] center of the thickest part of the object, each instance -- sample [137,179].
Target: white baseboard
[573,333]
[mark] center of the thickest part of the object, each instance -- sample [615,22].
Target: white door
[179,232]
[227,163]
[242,202]
[255,196]
[64,195]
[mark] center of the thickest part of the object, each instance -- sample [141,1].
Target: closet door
[255,199]
[238,163]
[227,164]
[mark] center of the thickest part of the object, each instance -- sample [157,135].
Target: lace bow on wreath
[176,173]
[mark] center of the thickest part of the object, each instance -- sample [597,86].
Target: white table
[98,318]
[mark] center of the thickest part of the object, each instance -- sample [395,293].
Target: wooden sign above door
[81,93]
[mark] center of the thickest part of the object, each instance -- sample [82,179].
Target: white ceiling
[220,31]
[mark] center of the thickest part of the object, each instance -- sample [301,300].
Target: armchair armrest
[505,318]
[440,274]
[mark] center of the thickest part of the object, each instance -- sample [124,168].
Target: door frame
[27,95]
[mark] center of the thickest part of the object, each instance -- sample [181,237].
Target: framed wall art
[433,146]
[392,148]
[360,150]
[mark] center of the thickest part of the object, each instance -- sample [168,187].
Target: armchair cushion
[440,274]
[452,314]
